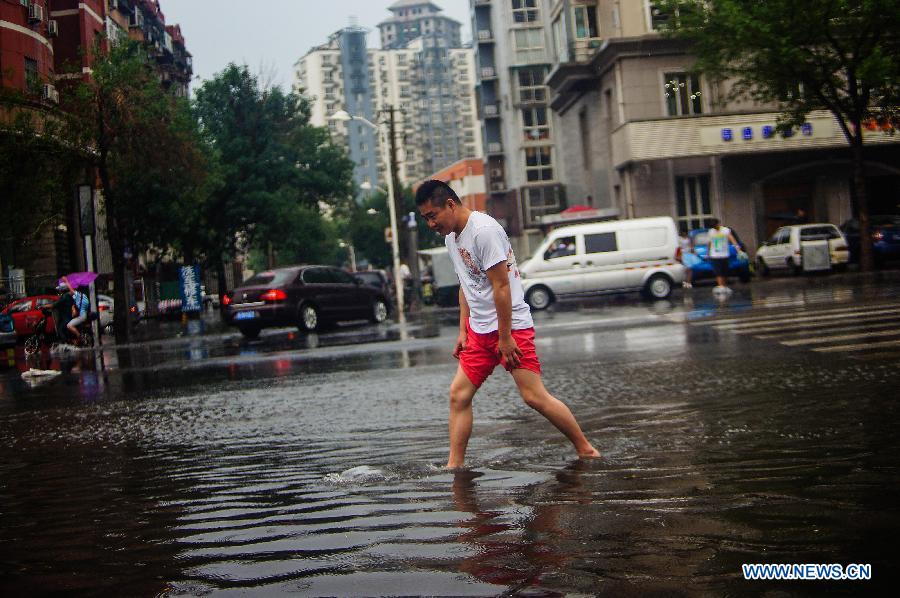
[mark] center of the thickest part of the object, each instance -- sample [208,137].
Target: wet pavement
[760,429]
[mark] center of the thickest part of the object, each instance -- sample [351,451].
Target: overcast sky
[270,36]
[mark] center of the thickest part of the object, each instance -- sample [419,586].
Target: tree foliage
[277,174]
[144,146]
[37,172]
[838,55]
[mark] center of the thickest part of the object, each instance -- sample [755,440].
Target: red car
[26,313]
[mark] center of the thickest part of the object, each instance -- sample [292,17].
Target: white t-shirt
[482,244]
[718,242]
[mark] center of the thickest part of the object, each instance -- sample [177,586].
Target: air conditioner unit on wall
[52,28]
[35,13]
[49,93]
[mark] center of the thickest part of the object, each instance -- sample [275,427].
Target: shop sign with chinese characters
[763,133]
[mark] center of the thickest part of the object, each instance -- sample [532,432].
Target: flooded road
[311,466]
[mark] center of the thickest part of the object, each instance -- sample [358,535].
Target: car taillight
[273,295]
[226,300]
[678,253]
[877,235]
[103,307]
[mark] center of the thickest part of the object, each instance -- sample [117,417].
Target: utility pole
[393,204]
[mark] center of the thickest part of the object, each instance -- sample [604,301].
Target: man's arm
[498,274]
[463,324]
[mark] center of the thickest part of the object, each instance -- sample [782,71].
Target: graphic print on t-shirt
[511,265]
[478,275]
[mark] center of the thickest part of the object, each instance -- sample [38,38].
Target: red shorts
[481,356]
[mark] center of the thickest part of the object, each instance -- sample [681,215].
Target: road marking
[858,347]
[807,329]
[804,318]
[794,314]
[839,337]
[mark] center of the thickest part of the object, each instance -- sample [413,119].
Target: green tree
[275,173]
[37,173]
[144,146]
[367,222]
[839,55]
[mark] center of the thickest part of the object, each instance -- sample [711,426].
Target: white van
[604,257]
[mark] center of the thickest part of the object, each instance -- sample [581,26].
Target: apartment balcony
[485,36]
[482,2]
[490,110]
[582,50]
[488,73]
[494,148]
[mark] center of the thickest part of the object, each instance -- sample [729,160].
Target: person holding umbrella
[79,309]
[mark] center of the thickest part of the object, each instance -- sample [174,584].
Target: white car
[604,257]
[783,249]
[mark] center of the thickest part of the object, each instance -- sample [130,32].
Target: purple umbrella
[80,279]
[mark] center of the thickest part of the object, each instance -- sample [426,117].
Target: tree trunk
[866,261]
[222,282]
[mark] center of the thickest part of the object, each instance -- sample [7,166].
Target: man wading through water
[495,325]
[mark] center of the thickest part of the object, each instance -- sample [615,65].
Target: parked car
[604,257]
[885,231]
[738,265]
[378,279]
[783,250]
[8,336]
[26,313]
[303,296]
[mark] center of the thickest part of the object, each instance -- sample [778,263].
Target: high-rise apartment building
[427,78]
[647,136]
[513,58]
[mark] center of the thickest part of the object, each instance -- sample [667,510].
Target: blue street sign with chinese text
[191,294]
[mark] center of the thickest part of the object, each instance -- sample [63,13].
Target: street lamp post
[342,115]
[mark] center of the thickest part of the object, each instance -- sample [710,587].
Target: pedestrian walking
[495,325]
[688,258]
[720,242]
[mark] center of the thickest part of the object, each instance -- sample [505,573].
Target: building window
[531,85]
[692,201]
[559,40]
[586,21]
[540,201]
[656,17]
[535,124]
[524,11]
[528,45]
[682,93]
[538,164]
[32,79]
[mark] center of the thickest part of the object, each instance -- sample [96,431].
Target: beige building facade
[645,136]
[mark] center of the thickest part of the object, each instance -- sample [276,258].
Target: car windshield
[270,278]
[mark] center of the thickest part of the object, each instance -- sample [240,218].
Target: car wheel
[539,298]
[379,311]
[250,332]
[761,267]
[658,287]
[309,318]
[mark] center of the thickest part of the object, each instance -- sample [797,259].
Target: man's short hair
[437,192]
[713,222]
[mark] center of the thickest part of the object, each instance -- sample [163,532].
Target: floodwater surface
[323,476]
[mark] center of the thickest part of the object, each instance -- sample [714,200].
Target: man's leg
[461,392]
[531,387]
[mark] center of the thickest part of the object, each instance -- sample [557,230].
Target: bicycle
[41,338]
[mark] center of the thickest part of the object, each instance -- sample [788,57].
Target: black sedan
[304,296]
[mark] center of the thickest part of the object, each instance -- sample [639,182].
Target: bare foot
[591,454]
